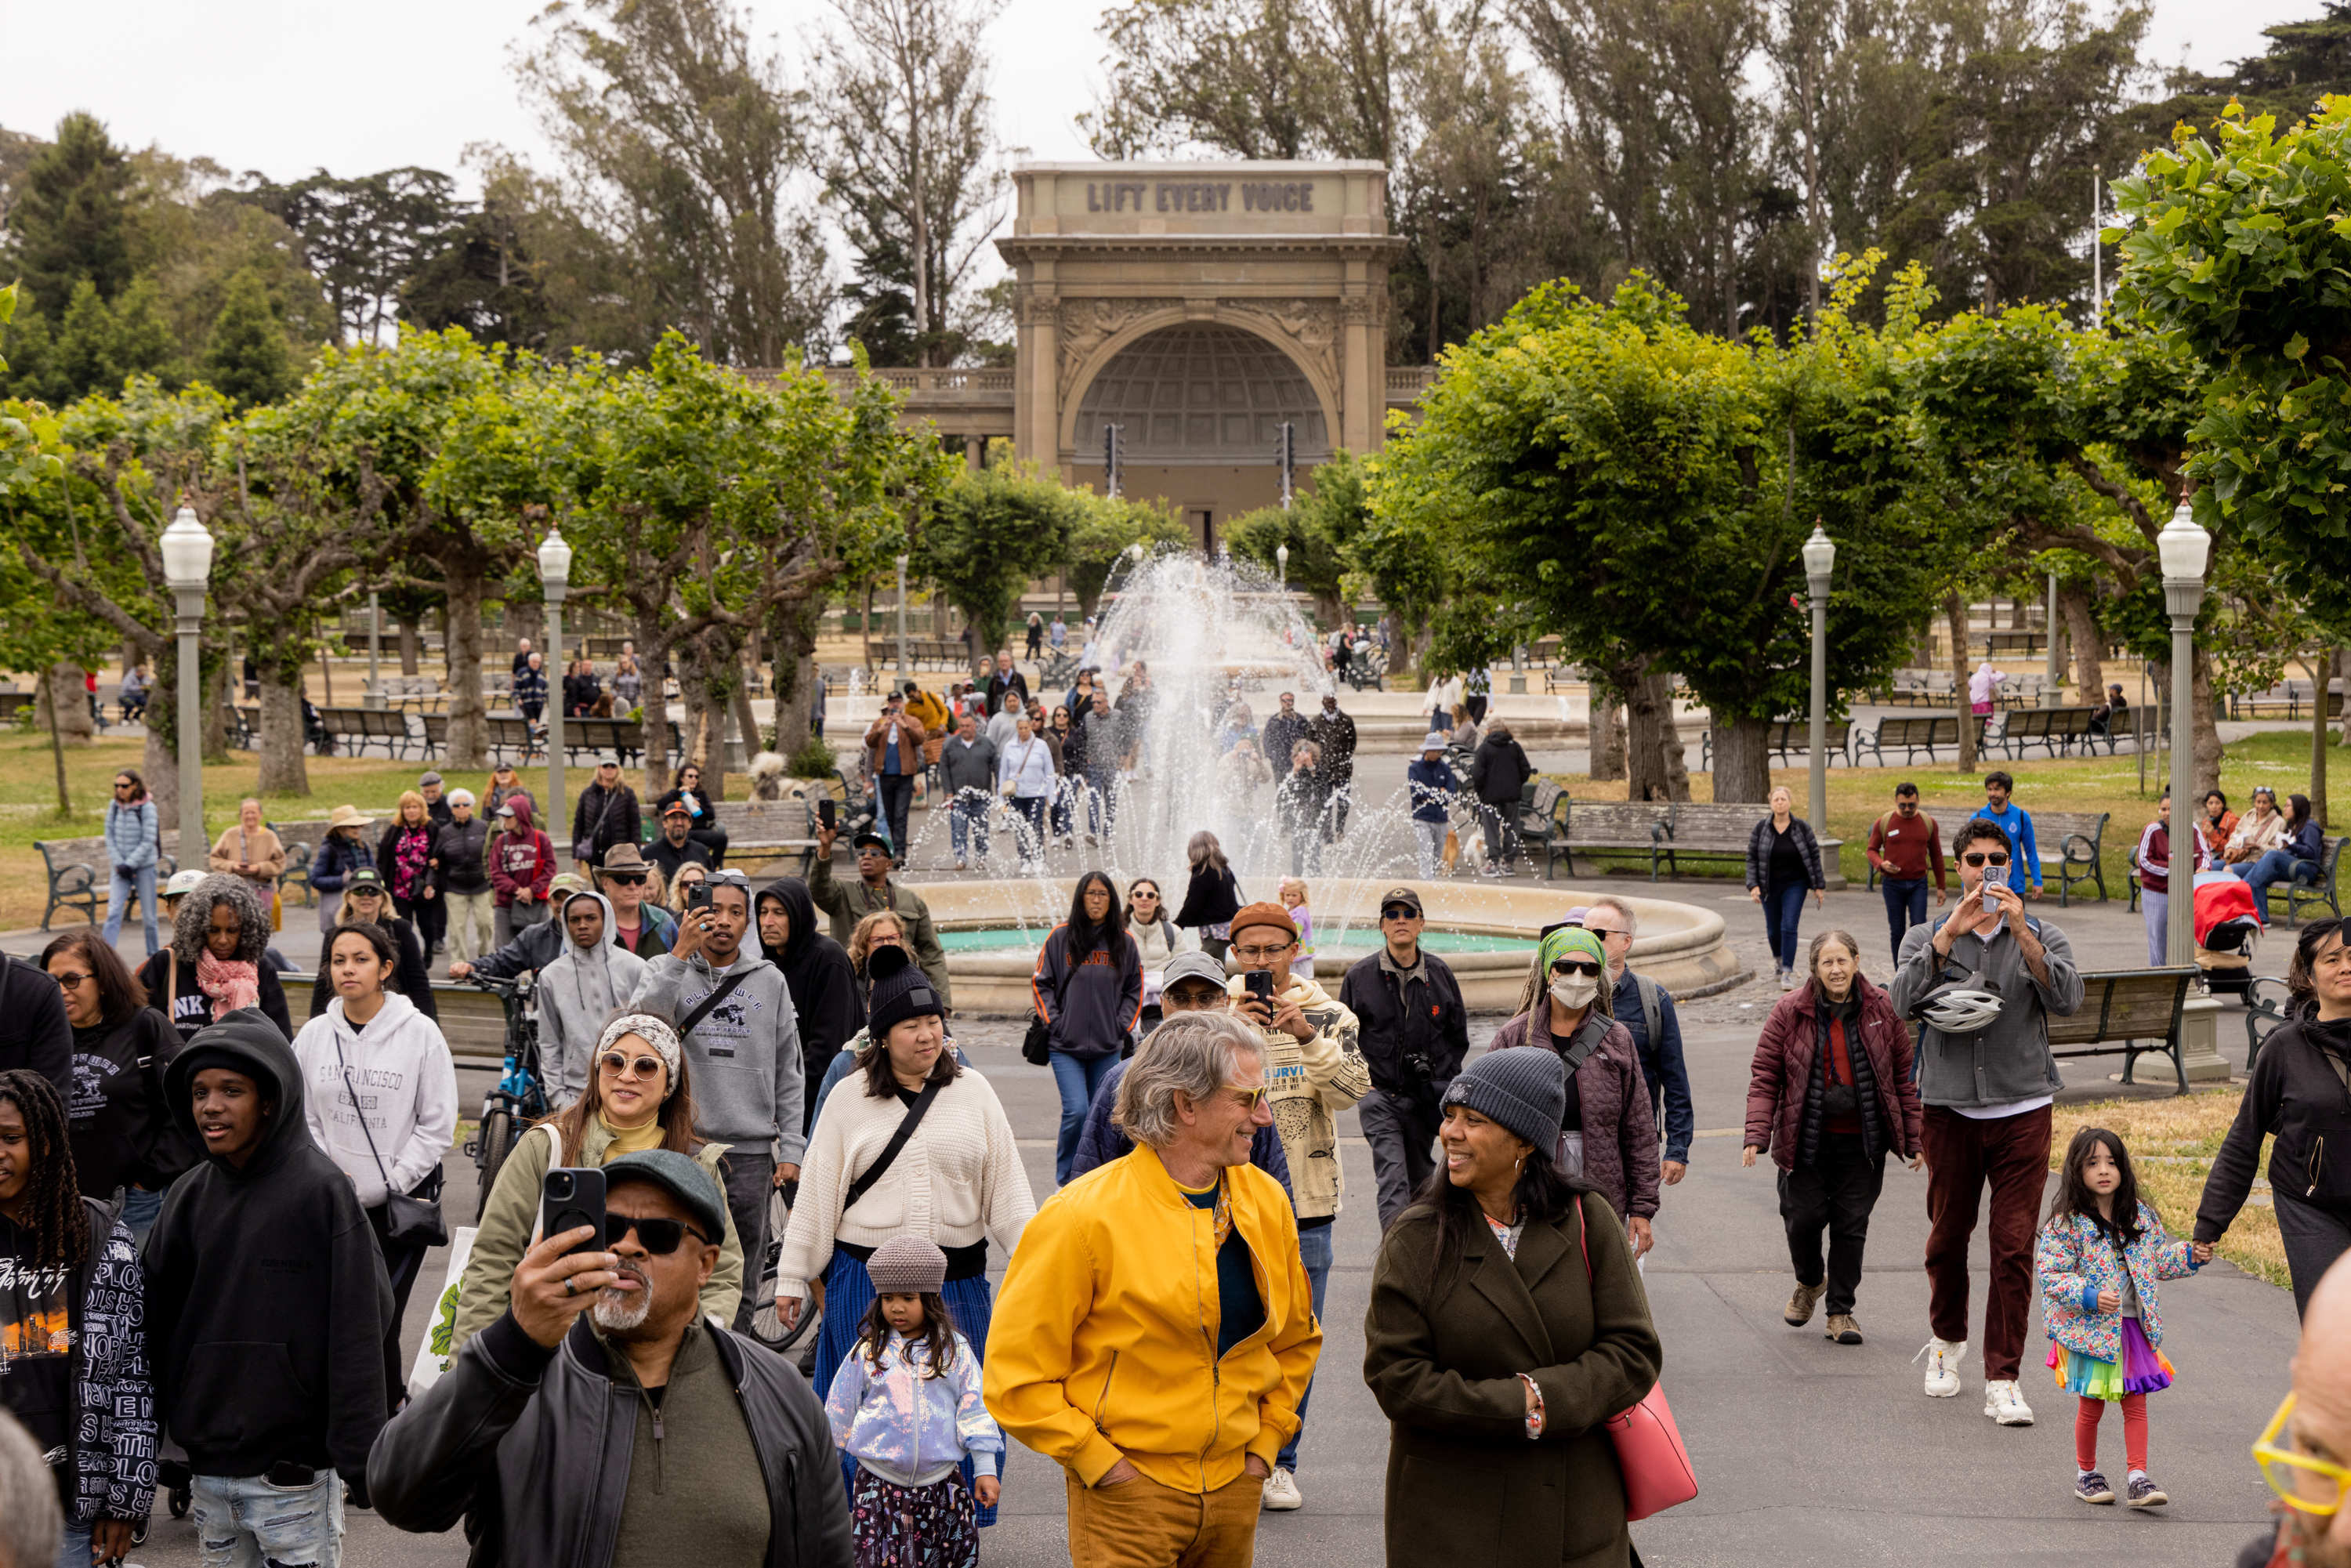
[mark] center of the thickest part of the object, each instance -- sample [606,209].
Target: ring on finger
[570,1286]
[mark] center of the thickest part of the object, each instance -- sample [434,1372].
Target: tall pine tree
[70,224]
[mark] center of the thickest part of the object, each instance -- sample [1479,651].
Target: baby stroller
[2227,928]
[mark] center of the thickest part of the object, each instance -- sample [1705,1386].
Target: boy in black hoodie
[267,1302]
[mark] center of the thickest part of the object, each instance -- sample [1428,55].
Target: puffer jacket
[531,1448]
[1759,852]
[2075,1259]
[1788,1065]
[1620,1135]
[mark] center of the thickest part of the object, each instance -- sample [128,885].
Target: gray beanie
[907,1266]
[1525,1090]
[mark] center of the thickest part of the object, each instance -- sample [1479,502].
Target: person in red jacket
[522,862]
[1829,1095]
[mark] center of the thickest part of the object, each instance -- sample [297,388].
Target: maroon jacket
[1787,1053]
[1620,1134]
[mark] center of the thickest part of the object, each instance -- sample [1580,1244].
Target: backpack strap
[1652,1007]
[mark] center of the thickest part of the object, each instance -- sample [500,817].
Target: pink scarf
[230,983]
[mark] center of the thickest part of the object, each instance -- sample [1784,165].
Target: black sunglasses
[1985,860]
[1576,966]
[625,879]
[1398,912]
[659,1236]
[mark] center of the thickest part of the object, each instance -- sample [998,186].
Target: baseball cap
[184,883]
[608,757]
[365,876]
[506,808]
[1402,896]
[676,808]
[1195,966]
[870,837]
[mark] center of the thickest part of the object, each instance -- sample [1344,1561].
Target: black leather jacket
[531,1449]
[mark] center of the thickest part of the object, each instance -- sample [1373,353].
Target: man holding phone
[875,890]
[1982,984]
[729,1441]
[743,1037]
[1313,1071]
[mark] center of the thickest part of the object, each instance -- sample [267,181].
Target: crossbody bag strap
[1587,1040]
[702,1009]
[906,1125]
[353,1090]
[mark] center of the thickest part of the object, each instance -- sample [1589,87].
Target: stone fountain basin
[1681,945]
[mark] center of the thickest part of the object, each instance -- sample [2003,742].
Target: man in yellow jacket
[1156,1329]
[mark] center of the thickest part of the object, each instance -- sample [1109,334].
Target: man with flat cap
[874,890]
[522,1438]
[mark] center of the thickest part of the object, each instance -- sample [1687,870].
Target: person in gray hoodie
[744,1048]
[968,774]
[581,991]
[1988,1092]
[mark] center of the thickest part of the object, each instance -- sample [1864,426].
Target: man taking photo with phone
[1982,984]
[742,1036]
[1314,1069]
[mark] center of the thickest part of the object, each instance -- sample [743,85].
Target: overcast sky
[285,87]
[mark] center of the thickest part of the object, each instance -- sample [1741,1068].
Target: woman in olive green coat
[1494,1358]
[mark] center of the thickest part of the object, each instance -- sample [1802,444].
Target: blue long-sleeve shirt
[1103,1140]
[1433,787]
[2024,864]
[1662,1067]
[131,833]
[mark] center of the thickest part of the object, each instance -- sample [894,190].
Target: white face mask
[1574,990]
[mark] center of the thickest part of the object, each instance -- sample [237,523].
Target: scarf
[230,983]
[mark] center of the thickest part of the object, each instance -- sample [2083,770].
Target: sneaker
[1799,1305]
[1942,1357]
[2004,1403]
[1490,869]
[2093,1487]
[1281,1493]
[1843,1329]
[1787,979]
[2144,1492]
[960,866]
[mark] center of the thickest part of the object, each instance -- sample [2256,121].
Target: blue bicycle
[520,1096]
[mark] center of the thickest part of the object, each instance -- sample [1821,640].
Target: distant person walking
[1497,772]
[1088,989]
[1783,862]
[2154,858]
[2001,809]
[133,843]
[1904,845]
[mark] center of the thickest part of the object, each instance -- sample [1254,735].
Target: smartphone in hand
[569,1197]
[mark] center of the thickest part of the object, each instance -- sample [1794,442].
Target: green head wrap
[1572,941]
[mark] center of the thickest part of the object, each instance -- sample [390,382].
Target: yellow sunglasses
[2306,1484]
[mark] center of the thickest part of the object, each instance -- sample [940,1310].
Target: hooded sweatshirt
[749,1078]
[267,1299]
[576,994]
[1091,999]
[1309,1084]
[521,860]
[407,1088]
[826,994]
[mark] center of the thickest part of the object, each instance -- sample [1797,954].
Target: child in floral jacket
[2099,1259]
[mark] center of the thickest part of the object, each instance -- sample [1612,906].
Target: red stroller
[2227,927]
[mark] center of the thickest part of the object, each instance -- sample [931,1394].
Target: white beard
[619,1310]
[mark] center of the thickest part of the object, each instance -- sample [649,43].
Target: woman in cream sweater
[958,1182]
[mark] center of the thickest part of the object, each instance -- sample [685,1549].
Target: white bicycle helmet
[1958,1008]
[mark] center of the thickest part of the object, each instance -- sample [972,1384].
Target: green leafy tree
[1322,523]
[1106,528]
[990,532]
[246,356]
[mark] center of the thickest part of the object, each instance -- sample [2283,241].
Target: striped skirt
[848,1291]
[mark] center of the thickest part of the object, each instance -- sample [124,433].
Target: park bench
[1615,827]
[1702,830]
[1920,688]
[2120,1009]
[2012,641]
[1791,743]
[1914,736]
[2315,893]
[301,840]
[243,727]
[79,870]
[1543,807]
[2289,697]
[512,732]
[624,736]
[2051,727]
[2079,838]
[921,653]
[363,727]
[767,830]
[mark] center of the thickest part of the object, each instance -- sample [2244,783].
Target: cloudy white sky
[286,85]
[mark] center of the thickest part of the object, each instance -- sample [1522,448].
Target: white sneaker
[1281,1493]
[2005,1405]
[1943,1357]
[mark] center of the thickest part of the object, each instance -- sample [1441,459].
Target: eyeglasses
[658,1237]
[1576,966]
[1143,895]
[2305,1484]
[616,1064]
[1985,860]
[1251,1098]
[1398,912]
[625,879]
[67,982]
[1263,955]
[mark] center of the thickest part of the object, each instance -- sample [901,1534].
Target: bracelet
[1535,1414]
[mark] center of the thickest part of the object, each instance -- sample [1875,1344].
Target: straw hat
[349,817]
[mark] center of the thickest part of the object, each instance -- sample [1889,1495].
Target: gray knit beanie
[909,1266]
[1525,1090]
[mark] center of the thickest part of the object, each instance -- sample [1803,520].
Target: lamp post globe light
[555,576]
[1282,566]
[187,568]
[2183,549]
[1820,559]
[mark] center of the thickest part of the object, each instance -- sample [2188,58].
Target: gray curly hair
[193,922]
[1193,1053]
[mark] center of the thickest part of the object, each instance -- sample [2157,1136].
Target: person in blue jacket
[134,843]
[1433,787]
[1636,1000]
[2024,866]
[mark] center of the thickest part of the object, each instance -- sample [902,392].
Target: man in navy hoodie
[266,1302]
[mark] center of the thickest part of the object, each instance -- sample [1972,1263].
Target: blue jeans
[1077,1078]
[1030,810]
[126,883]
[1906,906]
[2275,866]
[73,1547]
[139,1208]
[967,823]
[1314,1252]
[243,1521]
[1782,908]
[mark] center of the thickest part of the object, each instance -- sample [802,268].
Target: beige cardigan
[959,1178]
[260,846]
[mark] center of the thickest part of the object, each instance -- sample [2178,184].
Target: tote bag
[1658,1471]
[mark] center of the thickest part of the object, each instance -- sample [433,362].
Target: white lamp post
[375,652]
[1820,558]
[2183,549]
[555,576]
[1282,566]
[187,567]
[902,623]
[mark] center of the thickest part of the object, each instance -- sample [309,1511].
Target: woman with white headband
[639,1097]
